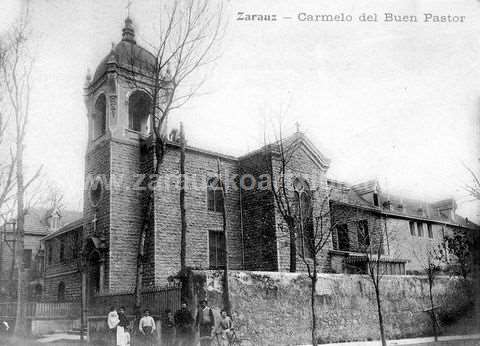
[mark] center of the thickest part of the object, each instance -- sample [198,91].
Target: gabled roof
[345,193]
[36,220]
[366,187]
[396,206]
[292,143]
[67,228]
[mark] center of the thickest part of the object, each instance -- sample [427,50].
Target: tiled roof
[344,193]
[66,228]
[397,206]
[36,220]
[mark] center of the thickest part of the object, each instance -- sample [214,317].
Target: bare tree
[315,226]
[460,246]
[373,243]
[305,213]
[279,156]
[226,290]
[188,32]
[183,240]
[7,163]
[431,259]
[473,188]
[15,68]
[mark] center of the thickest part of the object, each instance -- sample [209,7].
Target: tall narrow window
[342,237]
[430,231]
[412,228]
[49,254]
[304,215]
[61,292]
[214,195]
[362,235]
[62,250]
[420,229]
[216,249]
[76,240]
[100,117]
[27,258]
[138,110]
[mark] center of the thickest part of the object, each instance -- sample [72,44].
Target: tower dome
[127,55]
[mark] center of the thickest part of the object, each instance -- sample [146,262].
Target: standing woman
[226,326]
[123,336]
[112,322]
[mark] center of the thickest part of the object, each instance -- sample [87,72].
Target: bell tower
[118,111]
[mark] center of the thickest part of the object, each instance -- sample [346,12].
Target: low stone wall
[274,308]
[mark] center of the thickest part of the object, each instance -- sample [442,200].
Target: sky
[398,102]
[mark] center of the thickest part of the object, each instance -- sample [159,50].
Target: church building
[105,239]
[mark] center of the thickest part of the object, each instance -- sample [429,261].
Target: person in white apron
[112,323]
[123,336]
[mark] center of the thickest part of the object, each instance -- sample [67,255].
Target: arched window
[61,292]
[304,217]
[100,117]
[138,110]
[214,195]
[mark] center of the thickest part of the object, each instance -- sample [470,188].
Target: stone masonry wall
[200,220]
[126,215]
[301,165]
[350,216]
[258,217]
[72,283]
[274,308]
[97,163]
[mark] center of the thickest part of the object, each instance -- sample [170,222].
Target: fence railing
[156,300]
[38,310]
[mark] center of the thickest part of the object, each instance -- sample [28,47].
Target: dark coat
[183,321]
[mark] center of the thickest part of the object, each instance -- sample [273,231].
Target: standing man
[168,329]
[205,322]
[147,328]
[184,326]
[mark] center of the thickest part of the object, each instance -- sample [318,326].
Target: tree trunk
[293,248]
[83,316]
[141,255]
[380,316]
[183,241]
[20,318]
[226,291]
[432,311]
[312,296]
[14,253]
